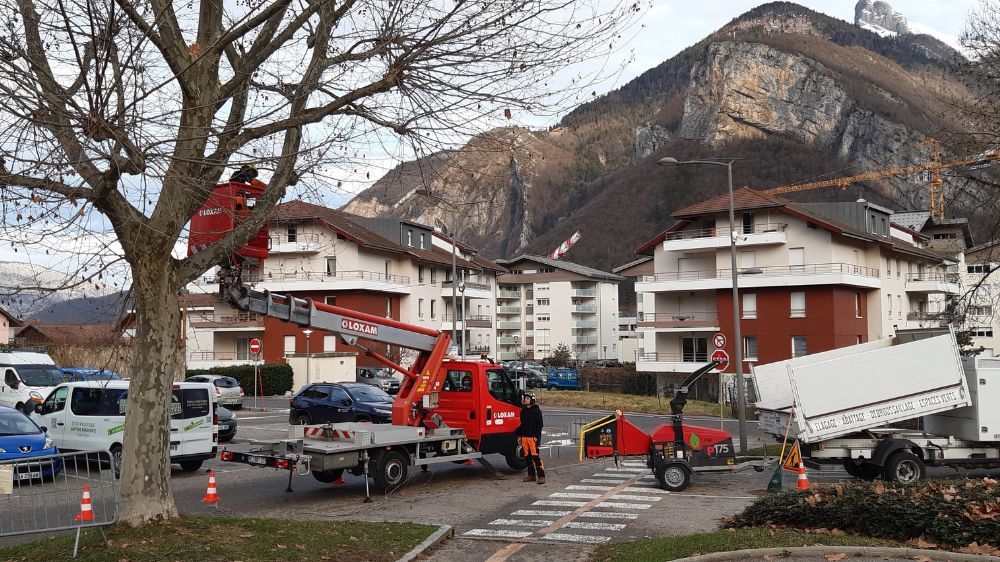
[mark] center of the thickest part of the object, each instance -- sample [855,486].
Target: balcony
[769,276]
[511,295]
[936,282]
[468,321]
[671,362]
[509,310]
[240,322]
[585,340]
[928,319]
[308,243]
[583,309]
[712,238]
[509,341]
[304,280]
[472,290]
[507,325]
[507,355]
[585,293]
[209,359]
[707,321]
[585,325]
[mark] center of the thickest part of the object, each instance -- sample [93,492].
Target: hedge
[276,378]
[947,512]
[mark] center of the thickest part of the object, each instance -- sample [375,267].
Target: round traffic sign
[722,357]
[719,339]
[255,345]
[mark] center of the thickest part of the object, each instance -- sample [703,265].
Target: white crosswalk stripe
[636,498]
[521,522]
[633,463]
[497,533]
[581,495]
[598,488]
[554,503]
[566,537]
[645,490]
[601,481]
[591,526]
[540,513]
[613,475]
[609,515]
[626,469]
[622,505]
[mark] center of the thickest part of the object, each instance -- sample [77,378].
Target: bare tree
[131,111]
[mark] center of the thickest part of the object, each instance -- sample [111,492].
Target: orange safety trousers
[530,447]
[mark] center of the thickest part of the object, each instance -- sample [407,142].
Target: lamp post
[308,333]
[741,412]
[454,261]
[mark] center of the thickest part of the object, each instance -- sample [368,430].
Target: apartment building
[385,267]
[812,277]
[542,303]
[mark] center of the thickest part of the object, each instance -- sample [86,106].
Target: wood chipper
[673,451]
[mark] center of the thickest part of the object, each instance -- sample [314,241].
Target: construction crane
[934,166]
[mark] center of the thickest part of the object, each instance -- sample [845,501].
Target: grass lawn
[229,538]
[671,548]
[626,402]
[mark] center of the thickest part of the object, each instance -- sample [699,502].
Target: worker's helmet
[530,395]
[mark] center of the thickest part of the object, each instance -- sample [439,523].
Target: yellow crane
[934,167]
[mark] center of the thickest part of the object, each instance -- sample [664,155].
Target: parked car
[533,378]
[380,378]
[74,374]
[340,402]
[227,423]
[228,391]
[22,439]
[563,379]
[28,377]
[603,363]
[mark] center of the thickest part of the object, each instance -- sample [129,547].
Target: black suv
[325,402]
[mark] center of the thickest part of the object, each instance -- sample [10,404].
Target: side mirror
[40,409]
[346,401]
[44,429]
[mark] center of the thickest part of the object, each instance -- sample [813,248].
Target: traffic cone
[340,479]
[468,462]
[210,495]
[803,482]
[86,512]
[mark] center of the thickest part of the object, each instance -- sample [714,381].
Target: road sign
[255,346]
[719,340]
[722,357]
[793,459]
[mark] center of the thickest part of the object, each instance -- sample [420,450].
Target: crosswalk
[586,513]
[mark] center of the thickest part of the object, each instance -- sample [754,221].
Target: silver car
[228,391]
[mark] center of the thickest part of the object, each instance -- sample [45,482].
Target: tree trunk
[145,477]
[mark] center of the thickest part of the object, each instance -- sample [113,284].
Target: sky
[669,26]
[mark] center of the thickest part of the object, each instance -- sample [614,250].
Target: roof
[914,220]
[565,266]
[623,267]
[743,199]
[13,321]
[198,300]
[982,246]
[69,334]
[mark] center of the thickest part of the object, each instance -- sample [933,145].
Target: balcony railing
[501,294]
[587,293]
[768,271]
[325,276]
[470,321]
[218,356]
[929,316]
[468,285]
[939,276]
[514,310]
[724,233]
[509,341]
[585,325]
[585,340]
[584,309]
[685,317]
[301,242]
[668,357]
[240,317]
[503,325]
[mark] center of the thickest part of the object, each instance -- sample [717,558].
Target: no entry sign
[255,346]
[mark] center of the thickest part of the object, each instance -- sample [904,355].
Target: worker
[530,433]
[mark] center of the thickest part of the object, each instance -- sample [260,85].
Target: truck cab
[26,378]
[479,397]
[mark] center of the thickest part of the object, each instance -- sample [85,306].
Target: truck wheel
[516,459]
[904,467]
[390,470]
[190,466]
[328,476]
[673,476]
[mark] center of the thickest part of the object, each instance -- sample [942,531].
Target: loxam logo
[358,326]
[210,212]
[498,415]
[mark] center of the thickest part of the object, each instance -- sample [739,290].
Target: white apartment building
[812,277]
[542,303]
[386,267]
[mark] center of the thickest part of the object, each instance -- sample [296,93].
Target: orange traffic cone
[210,495]
[86,512]
[468,462]
[340,479]
[803,482]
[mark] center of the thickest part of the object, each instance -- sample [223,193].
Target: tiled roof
[298,210]
[744,198]
[564,265]
[198,300]
[632,263]
[14,322]
[72,334]
[914,220]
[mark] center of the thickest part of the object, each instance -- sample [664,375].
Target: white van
[28,377]
[90,416]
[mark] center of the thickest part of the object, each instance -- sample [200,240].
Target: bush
[947,512]
[623,380]
[276,378]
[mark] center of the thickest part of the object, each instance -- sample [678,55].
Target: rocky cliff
[796,93]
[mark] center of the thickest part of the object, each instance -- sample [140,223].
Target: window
[339,396]
[433,276]
[186,403]
[888,300]
[799,346]
[750,348]
[242,349]
[542,318]
[56,401]
[409,238]
[747,223]
[331,267]
[748,259]
[946,236]
[888,267]
[500,386]
[986,332]
[292,233]
[541,286]
[860,340]
[798,304]
[749,306]
[422,238]
[458,381]
[420,308]
[796,259]
[420,274]
[388,307]
[329,343]
[331,300]
[899,270]
[388,268]
[899,306]
[289,345]
[433,306]
[885,228]
[317,392]
[980,310]
[694,350]
[543,333]
[978,268]
[857,305]
[543,302]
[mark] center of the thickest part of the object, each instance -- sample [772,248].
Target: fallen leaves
[834,556]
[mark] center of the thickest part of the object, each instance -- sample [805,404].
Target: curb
[872,551]
[443,532]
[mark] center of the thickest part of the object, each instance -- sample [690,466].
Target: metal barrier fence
[46,493]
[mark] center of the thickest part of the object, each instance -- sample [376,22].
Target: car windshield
[40,375]
[226,382]
[15,423]
[370,394]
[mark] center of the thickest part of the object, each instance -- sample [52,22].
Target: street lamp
[454,269]
[308,333]
[740,383]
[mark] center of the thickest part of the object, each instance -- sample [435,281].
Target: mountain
[28,290]
[105,309]
[880,18]
[795,94]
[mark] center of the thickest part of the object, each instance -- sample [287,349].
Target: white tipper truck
[841,404]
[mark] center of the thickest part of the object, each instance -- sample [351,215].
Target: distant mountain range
[33,292]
